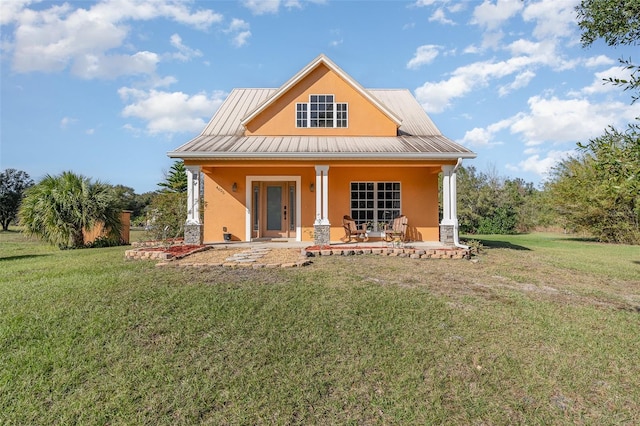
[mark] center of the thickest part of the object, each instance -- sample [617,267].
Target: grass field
[539,329]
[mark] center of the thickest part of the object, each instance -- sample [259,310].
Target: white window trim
[335,113]
[375,198]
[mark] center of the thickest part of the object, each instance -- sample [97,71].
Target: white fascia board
[328,155]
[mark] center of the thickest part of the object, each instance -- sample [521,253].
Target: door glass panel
[292,204]
[274,207]
[256,208]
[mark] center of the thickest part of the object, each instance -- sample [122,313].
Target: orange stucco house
[290,162]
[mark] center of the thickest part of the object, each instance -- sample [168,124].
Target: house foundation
[321,234]
[193,234]
[447,234]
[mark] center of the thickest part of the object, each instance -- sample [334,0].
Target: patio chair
[397,233]
[352,230]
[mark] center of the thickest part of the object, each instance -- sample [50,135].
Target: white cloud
[435,97]
[553,121]
[472,49]
[544,52]
[337,38]
[556,121]
[11,10]
[260,7]
[90,66]
[477,137]
[492,39]
[66,121]
[521,80]
[599,84]
[241,38]
[569,120]
[156,81]
[553,18]
[293,4]
[122,10]
[439,16]
[421,3]
[52,39]
[526,57]
[596,61]
[491,16]
[240,30]
[541,166]
[170,112]
[485,137]
[424,55]
[457,7]
[185,53]
[238,25]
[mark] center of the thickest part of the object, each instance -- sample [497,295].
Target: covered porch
[306,202]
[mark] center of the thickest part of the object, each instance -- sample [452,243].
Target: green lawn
[542,329]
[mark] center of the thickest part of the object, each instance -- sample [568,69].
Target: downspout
[456,241]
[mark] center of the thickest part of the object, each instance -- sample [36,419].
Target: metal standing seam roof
[223,137]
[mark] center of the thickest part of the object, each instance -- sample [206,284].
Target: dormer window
[321,111]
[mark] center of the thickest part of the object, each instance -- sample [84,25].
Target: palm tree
[59,208]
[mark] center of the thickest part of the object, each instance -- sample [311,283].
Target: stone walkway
[252,257]
[249,256]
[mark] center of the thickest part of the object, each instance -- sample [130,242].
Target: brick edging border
[165,258]
[147,254]
[440,253]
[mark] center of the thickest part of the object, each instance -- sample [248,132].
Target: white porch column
[449,224]
[321,226]
[453,197]
[193,229]
[447,195]
[322,195]
[193,195]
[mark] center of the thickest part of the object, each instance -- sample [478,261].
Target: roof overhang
[320,156]
[401,148]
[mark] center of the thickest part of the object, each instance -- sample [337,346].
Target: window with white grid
[321,111]
[375,202]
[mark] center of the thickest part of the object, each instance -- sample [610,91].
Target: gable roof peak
[322,59]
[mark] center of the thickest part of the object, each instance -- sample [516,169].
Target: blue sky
[107,88]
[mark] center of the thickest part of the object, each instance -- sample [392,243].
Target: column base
[447,234]
[193,234]
[321,235]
